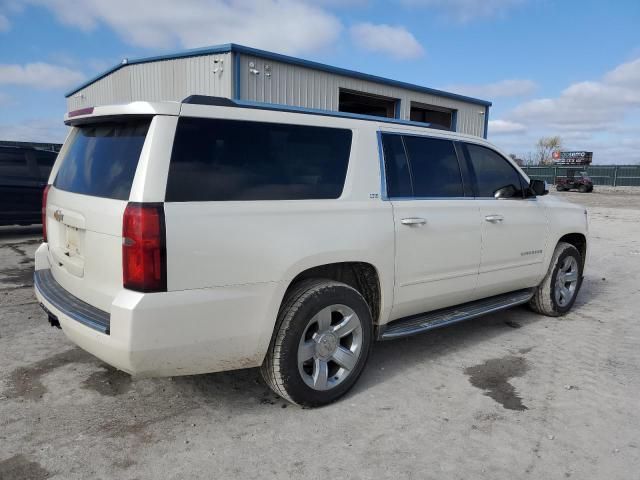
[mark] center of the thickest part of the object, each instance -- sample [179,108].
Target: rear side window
[101,159]
[397,172]
[492,171]
[217,160]
[434,167]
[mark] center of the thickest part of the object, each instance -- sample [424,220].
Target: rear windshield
[221,160]
[101,159]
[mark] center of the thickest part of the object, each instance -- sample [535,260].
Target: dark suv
[24,171]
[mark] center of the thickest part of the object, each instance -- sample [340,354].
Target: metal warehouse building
[251,75]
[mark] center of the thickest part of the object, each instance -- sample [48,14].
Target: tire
[560,188]
[583,189]
[551,300]
[311,319]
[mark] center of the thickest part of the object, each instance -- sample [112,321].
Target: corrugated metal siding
[175,79]
[171,80]
[304,87]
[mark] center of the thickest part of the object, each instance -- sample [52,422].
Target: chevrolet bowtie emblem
[58,215]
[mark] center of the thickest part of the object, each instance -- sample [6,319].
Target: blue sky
[550,67]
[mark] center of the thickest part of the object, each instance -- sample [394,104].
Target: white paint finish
[133,108]
[230,263]
[150,180]
[99,245]
[305,87]
[507,262]
[436,263]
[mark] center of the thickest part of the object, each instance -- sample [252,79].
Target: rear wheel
[583,189]
[557,292]
[560,188]
[321,344]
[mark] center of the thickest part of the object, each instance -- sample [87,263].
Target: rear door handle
[413,221]
[494,218]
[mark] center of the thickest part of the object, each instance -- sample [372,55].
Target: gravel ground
[510,395]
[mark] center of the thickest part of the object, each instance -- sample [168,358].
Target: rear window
[101,159]
[217,160]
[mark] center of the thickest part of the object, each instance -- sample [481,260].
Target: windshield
[102,158]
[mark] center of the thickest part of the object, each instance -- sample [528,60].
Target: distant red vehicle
[580,182]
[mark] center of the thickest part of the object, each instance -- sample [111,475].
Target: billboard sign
[572,158]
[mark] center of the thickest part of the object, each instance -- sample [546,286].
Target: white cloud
[39,75]
[503,88]
[505,127]
[286,26]
[600,115]
[4,23]
[588,105]
[391,40]
[467,10]
[41,130]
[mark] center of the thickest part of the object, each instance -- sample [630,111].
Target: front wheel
[557,292]
[321,343]
[583,189]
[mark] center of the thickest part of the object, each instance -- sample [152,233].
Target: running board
[407,326]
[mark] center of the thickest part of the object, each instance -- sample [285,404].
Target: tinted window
[434,167]
[101,159]
[13,162]
[492,171]
[396,167]
[235,160]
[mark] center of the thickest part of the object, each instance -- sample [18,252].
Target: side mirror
[539,187]
[506,192]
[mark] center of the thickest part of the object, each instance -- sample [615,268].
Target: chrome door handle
[494,218]
[412,221]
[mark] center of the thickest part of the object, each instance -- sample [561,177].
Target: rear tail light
[144,254]
[45,193]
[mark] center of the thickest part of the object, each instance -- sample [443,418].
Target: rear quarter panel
[230,243]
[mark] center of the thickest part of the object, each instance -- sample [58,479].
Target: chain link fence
[613,175]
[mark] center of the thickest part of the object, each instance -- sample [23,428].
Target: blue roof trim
[232,47]
[486,122]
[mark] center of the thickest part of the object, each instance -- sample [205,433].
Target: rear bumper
[69,305]
[171,333]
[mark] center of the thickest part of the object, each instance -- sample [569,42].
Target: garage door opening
[438,117]
[367,104]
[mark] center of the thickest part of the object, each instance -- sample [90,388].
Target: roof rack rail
[227,102]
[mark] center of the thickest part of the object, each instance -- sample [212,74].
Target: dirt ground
[508,396]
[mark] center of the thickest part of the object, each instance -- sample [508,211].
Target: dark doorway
[367,104]
[438,117]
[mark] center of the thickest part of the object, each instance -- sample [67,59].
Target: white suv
[207,235]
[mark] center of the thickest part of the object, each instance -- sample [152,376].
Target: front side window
[492,171]
[102,158]
[435,171]
[221,160]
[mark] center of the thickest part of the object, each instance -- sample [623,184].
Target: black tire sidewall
[570,251]
[296,388]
